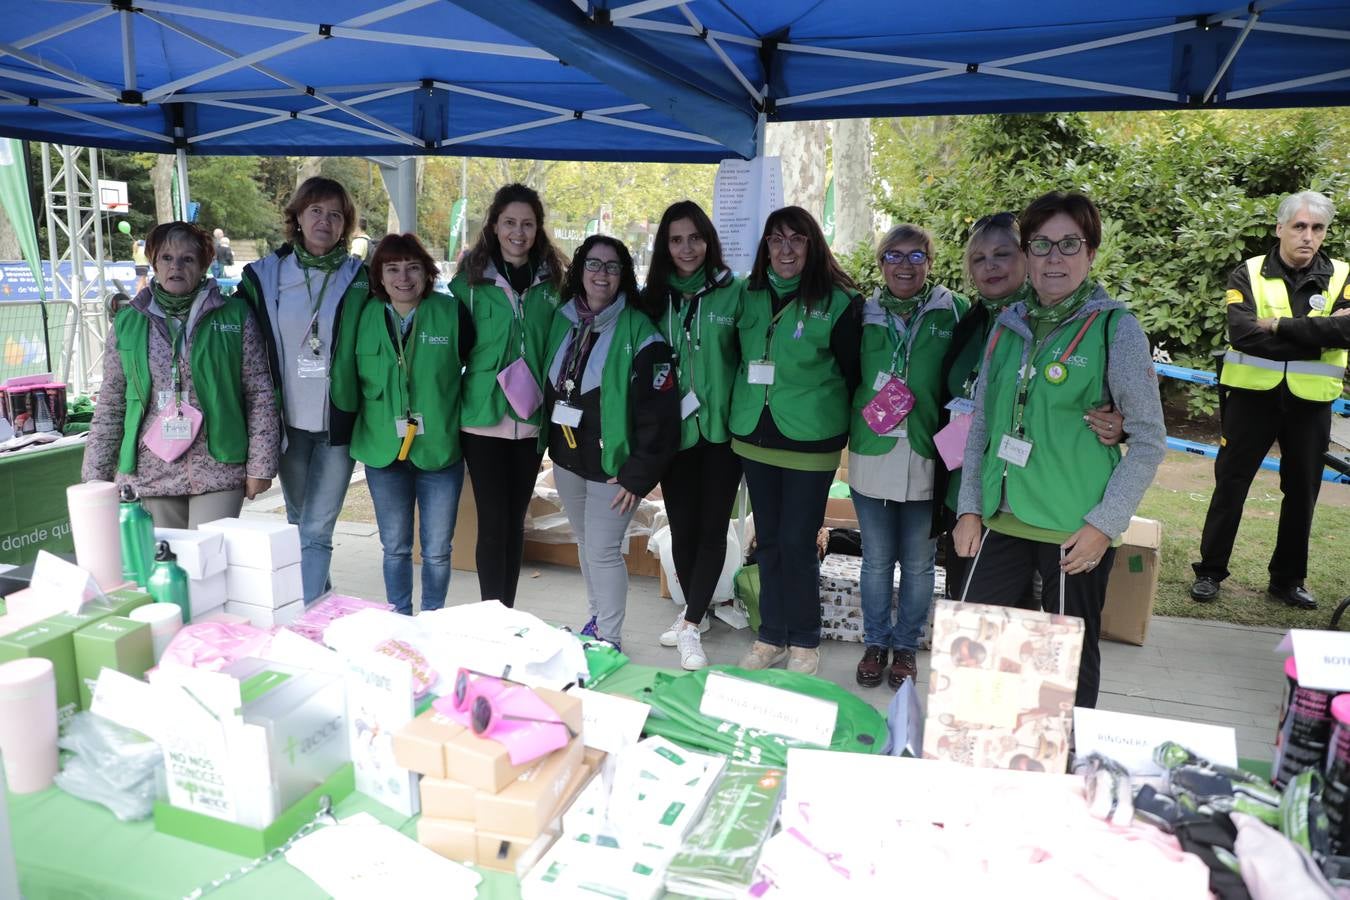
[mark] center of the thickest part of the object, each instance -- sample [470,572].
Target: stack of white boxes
[841,616]
[262,575]
[201,554]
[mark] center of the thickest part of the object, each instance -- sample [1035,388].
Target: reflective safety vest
[1318,380]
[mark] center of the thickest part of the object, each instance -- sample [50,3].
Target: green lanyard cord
[401,349]
[315,305]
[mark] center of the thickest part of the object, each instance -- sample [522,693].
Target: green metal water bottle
[138,537]
[169,583]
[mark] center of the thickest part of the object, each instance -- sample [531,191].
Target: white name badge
[1014,451]
[166,398]
[761,372]
[309,365]
[880,381]
[177,428]
[897,432]
[401,425]
[961,406]
[566,415]
[688,404]
[1317,302]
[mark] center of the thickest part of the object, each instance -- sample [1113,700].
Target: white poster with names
[744,193]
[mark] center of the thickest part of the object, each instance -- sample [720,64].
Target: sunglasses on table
[611,267]
[913,257]
[998,220]
[476,694]
[1068,246]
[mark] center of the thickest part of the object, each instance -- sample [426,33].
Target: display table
[69,849]
[33,513]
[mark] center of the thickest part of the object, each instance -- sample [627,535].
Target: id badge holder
[1014,450]
[761,372]
[961,406]
[176,428]
[407,429]
[563,414]
[167,399]
[880,381]
[311,365]
[688,404]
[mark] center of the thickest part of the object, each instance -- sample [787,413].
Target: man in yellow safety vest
[1288,330]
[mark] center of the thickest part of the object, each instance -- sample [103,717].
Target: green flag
[827,220]
[456,227]
[14,201]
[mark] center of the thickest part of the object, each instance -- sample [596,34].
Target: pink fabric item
[520,388]
[165,448]
[889,407]
[951,441]
[314,621]
[214,645]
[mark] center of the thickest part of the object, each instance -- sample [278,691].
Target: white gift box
[260,587]
[207,594]
[258,543]
[266,616]
[200,553]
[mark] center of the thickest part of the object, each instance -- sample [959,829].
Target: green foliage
[227,188]
[861,265]
[1184,196]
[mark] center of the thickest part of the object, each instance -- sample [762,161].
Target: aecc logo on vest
[436,339]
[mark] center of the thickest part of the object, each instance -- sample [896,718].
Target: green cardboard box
[121,601]
[115,642]
[51,639]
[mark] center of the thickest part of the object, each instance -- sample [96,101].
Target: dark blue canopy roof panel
[623,79]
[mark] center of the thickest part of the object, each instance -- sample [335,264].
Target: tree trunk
[309,167]
[852,143]
[161,180]
[801,147]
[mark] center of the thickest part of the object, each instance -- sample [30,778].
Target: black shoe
[1205,589]
[1296,596]
[871,666]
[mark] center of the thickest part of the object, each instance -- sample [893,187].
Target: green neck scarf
[904,308]
[687,286]
[176,305]
[1044,319]
[1023,293]
[783,286]
[329,262]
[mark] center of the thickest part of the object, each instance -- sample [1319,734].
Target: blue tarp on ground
[622,79]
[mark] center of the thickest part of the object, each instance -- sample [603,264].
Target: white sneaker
[692,656]
[671,636]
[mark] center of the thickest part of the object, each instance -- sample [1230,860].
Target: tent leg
[182,184]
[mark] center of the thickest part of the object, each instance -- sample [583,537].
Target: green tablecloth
[33,513]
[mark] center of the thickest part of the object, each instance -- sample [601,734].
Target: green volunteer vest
[706,362]
[501,337]
[884,350]
[808,398]
[633,330]
[431,385]
[1317,380]
[217,360]
[1067,472]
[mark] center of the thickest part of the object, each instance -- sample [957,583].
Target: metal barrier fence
[23,349]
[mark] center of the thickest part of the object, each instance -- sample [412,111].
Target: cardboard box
[419,746]
[51,639]
[452,838]
[200,553]
[114,642]
[485,763]
[510,854]
[446,799]
[525,806]
[259,587]
[258,543]
[266,616]
[839,513]
[639,562]
[206,595]
[1133,587]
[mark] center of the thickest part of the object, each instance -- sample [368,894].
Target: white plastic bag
[659,545]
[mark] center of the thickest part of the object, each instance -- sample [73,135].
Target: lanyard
[903,336]
[177,335]
[576,358]
[315,305]
[401,348]
[773,325]
[1029,351]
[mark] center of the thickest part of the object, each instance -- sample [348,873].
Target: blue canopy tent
[679,80]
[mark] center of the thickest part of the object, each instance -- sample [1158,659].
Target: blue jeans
[314,477]
[394,489]
[895,532]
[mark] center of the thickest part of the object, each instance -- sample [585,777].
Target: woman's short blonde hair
[905,232]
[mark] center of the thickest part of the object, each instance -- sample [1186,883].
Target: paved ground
[1188,669]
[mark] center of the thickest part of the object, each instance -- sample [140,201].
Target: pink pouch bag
[951,441]
[520,388]
[167,448]
[889,407]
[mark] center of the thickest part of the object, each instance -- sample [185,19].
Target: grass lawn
[1179,498]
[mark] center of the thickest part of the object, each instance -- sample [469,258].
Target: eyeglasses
[611,267]
[777,242]
[479,702]
[998,220]
[913,257]
[1068,246]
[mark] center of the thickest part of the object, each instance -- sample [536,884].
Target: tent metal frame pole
[725,37]
[869,86]
[720,53]
[1284,85]
[1229,57]
[509,129]
[269,93]
[1083,46]
[180,163]
[76,114]
[92,87]
[128,50]
[1105,87]
[30,78]
[619,13]
[434,43]
[247,126]
[64,27]
[1301,30]
[651,129]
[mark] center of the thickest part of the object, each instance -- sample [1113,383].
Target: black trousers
[1252,422]
[1002,575]
[700,489]
[789,508]
[502,472]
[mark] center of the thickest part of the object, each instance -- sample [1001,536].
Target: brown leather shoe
[871,666]
[903,666]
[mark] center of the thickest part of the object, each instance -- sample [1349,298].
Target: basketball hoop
[117,208]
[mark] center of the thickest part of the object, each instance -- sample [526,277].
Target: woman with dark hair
[1040,493]
[509,282]
[185,413]
[308,297]
[694,300]
[410,350]
[799,332]
[614,413]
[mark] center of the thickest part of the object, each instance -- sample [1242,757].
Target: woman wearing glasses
[614,410]
[509,281]
[698,319]
[892,462]
[1041,494]
[799,332]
